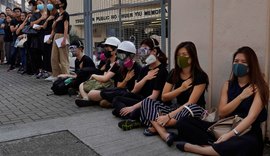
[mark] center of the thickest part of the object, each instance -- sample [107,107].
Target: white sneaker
[51,78]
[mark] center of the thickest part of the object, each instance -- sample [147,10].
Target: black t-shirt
[199,78]
[122,74]
[114,69]
[15,22]
[85,61]
[48,29]
[8,34]
[154,84]
[59,28]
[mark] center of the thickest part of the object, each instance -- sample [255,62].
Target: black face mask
[57,6]
[108,54]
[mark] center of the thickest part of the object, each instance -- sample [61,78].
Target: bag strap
[192,114]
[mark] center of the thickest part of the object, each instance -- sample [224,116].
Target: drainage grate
[61,143]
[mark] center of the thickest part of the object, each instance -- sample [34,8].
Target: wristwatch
[235,132]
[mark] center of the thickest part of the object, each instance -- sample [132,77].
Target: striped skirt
[151,109]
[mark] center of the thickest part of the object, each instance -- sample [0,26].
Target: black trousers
[47,57]
[194,131]
[130,99]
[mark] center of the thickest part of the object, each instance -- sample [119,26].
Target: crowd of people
[136,83]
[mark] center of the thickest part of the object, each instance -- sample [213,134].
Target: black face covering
[57,6]
[108,54]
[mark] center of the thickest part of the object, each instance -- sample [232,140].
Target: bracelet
[235,132]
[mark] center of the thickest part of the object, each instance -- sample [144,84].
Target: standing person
[9,12]
[13,27]
[148,85]
[187,83]
[47,27]
[59,56]
[36,40]
[246,94]
[8,38]
[2,35]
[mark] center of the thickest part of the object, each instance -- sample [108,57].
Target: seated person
[106,80]
[128,73]
[84,66]
[246,94]
[187,83]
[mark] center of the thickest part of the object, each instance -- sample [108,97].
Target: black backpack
[59,87]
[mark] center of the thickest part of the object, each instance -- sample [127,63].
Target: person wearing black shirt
[148,85]
[14,25]
[59,55]
[109,78]
[83,64]
[187,83]
[8,38]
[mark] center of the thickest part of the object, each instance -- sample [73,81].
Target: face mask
[57,6]
[50,7]
[102,57]
[107,54]
[121,56]
[128,63]
[150,59]
[182,61]
[240,70]
[40,7]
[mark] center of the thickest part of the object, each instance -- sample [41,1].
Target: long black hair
[195,65]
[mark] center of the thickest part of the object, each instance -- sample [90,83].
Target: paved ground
[26,111]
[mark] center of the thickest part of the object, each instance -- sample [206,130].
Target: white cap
[127,46]
[113,41]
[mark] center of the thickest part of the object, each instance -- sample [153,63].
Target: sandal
[170,139]
[181,146]
[148,132]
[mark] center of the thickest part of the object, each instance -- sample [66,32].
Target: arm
[63,44]
[253,113]
[226,108]
[150,75]
[13,28]
[103,78]
[193,98]
[44,26]
[43,17]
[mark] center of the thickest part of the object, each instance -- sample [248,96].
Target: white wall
[219,28]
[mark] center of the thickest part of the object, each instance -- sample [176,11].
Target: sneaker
[45,75]
[84,103]
[11,68]
[51,78]
[129,124]
[39,75]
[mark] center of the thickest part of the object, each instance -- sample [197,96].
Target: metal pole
[87,27]
[169,32]
[120,21]
[163,25]
[90,28]
[23,4]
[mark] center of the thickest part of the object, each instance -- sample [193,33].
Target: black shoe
[181,146]
[129,124]
[170,139]
[148,132]
[11,68]
[82,103]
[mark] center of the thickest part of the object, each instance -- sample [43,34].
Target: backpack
[60,87]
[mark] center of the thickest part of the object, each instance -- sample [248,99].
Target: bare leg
[162,130]
[206,150]
[94,95]
[82,92]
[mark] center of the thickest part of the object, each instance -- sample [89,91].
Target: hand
[129,75]
[126,110]
[186,84]
[20,37]
[49,41]
[38,28]
[152,74]
[59,18]
[63,43]
[224,137]
[248,92]
[162,120]
[50,18]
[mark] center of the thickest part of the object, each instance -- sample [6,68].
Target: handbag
[29,30]
[211,116]
[225,125]
[21,42]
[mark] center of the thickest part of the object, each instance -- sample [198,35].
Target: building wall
[219,28]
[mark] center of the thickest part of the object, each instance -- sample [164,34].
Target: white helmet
[113,41]
[127,46]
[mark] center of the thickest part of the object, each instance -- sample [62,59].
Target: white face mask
[150,59]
